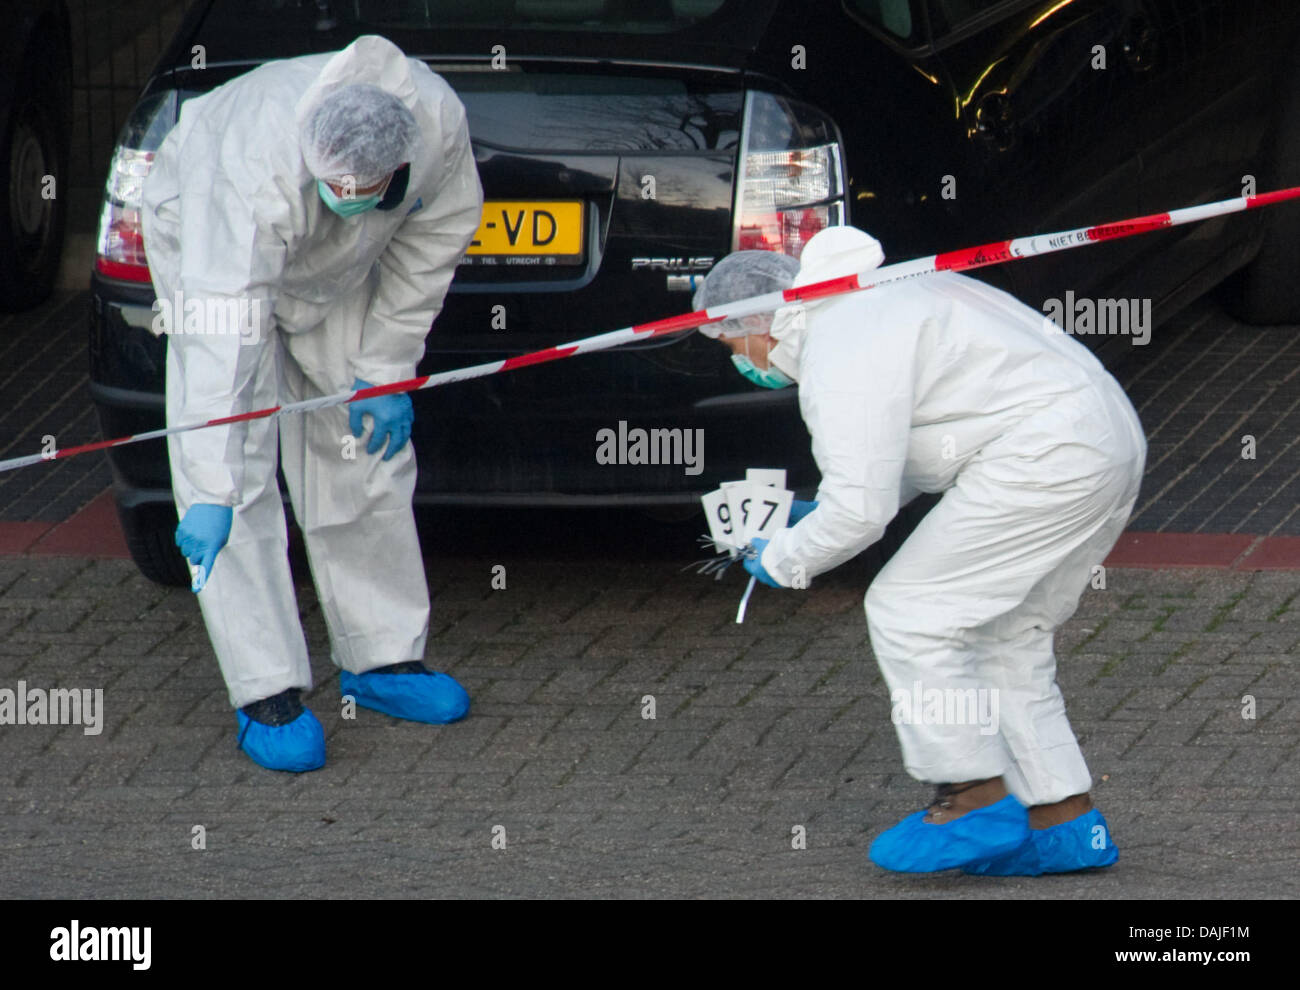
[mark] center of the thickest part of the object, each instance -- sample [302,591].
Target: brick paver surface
[781,722]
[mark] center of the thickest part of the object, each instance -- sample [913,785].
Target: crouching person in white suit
[944,384]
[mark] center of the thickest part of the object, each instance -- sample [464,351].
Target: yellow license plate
[528,232]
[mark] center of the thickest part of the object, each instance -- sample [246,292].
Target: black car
[35,127]
[624,147]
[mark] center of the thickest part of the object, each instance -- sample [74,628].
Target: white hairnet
[740,275]
[360,131]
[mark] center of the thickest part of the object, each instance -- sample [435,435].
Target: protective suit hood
[831,253]
[370,59]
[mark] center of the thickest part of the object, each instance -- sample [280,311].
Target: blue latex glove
[799,509]
[201,535]
[392,417]
[754,564]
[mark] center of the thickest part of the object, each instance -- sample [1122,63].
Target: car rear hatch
[608,144]
[605,135]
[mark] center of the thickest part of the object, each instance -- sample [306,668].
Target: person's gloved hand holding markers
[754,564]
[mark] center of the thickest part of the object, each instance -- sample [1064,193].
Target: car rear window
[617,16]
[952,15]
[895,16]
[594,113]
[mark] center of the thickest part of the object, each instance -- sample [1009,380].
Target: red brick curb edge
[94,532]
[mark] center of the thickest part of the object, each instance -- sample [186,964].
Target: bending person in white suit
[945,384]
[327,200]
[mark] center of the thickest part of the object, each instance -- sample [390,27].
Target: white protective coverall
[231,212]
[945,384]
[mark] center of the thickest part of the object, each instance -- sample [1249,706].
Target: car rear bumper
[514,461]
[562,435]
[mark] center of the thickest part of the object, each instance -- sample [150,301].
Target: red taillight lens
[786,231]
[121,240]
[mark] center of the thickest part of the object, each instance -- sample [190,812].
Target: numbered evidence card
[739,511]
[760,509]
[766,476]
[727,538]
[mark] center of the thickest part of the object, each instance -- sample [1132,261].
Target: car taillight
[791,181]
[120,252]
[121,241]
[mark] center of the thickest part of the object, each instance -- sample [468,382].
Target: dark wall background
[114,46]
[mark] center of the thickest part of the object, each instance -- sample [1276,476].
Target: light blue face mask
[346,207]
[771,378]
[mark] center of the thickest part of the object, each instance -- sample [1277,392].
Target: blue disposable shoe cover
[1084,843]
[297,747]
[425,697]
[916,846]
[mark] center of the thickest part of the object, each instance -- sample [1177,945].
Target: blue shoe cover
[1062,848]
[423,697]
[297,747]
[915,846]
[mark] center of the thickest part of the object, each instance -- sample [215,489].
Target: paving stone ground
[780,722]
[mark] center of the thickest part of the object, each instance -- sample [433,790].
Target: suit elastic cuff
[382,374]
[212,485]
[778,568]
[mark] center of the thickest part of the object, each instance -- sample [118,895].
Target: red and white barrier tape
[993,253]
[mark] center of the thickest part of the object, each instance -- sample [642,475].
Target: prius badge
[677,283]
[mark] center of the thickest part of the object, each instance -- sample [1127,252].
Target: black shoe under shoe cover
[279,709]
[405,667]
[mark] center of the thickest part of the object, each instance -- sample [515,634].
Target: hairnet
[360,131]
[740,275]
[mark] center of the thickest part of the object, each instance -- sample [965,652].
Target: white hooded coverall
[945,384]
[231,213]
